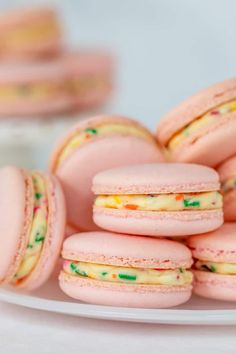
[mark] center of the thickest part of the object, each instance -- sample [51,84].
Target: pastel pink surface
[126,295]
[77,171]
[125,250]
[201,146]
[54,238]
[12,215]
[156,178]
[226,171]
[153,223]
[109,248]
[217,246]
[215,286]
[194,107]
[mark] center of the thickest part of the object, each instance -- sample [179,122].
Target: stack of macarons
[130,199]
[39,77]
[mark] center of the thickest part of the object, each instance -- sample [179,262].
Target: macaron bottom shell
[215,286]
[124,295]
[153,223]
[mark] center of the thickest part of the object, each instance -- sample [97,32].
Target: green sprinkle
[104,273]
[127,277]
[188,203]
[39,237]
[181,270]
[74,268]
[30,246]
[186,132]
[38,195]
[210,268]
[91,130]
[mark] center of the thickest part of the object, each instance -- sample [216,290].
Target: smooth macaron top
[124,250]
[156,178]
[195,107]
[227,169]
[13,190]
[217,246]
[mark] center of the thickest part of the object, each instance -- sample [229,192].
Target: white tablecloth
[24,331]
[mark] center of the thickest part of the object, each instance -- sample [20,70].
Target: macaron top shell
[124,250]
[15,204]
[195,107]
[217,246]
[227,169]
[156,178]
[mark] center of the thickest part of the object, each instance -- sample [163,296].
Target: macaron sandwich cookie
[32,225]
[29,33]
[94,145]
[203,128]
[121,270]
[215,263]
[158,199]
[227,172]
[34,89]
[91,75]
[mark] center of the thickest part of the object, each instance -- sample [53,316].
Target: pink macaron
[121,270]
[34,89]
[94,145]
[203,128]
[29,33]
[227,172]
[215,265]
[158,199]
[91,75]
[32,227]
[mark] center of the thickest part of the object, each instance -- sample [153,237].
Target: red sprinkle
[215,113]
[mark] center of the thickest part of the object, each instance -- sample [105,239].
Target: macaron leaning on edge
[121,270]
[203,128]
[158,199]
[94,145]
[32,227]
[215,266]
[227,172]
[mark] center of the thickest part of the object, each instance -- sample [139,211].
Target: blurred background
[164,51]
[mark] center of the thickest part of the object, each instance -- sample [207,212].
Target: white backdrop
[166,50]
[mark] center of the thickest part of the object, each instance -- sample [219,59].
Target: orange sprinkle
[87,136]
[179,197]
[131,206]
[113,276]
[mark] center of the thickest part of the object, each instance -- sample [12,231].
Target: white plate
[197,311]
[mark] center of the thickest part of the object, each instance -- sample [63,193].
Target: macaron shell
[125,250]
[195,107]
[148,223]
[211,145]
[16,210]
[125,295]
[156,179]
[215,286]
[53,240]
[78,170]
[217,246]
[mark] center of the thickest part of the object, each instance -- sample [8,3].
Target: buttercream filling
[229,185]
[162,202]
[111,273]
[38,229]
[93,132]
[215,267]
[207,119]
[29,33]
[32,90]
